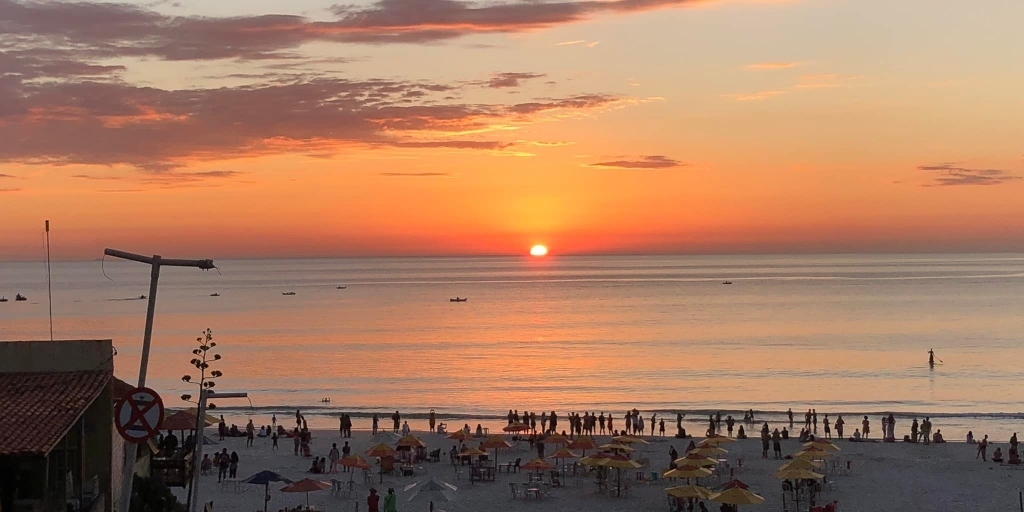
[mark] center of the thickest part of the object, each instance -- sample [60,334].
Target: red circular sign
[137,416]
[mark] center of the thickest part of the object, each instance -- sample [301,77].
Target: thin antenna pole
[49,287]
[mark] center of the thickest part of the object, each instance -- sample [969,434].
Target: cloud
[415,174]
[109,30]
[2,176]
[951,174]
[503,80]
[775,65]
[593,44]
[570,43]
[2,190]
[116,123]
[826,80]
[644,162]
[756,96]
[97,178]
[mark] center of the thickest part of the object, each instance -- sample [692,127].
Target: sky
[272,128]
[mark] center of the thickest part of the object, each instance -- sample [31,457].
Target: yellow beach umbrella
[688,472]
[381,450]
[717,439]
[690,491]
[708,451]
[798,474]
[629,440]
[555,439]
[615,447]
[813,453]
[459,435]
[595,459]
[495,442]
[411,441]
[538,465]
[562,453]
[583,443]
[800,464]
[824,445]
[737,496]
[693,459]
[516,427]
[472,452]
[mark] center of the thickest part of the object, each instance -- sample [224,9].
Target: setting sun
[538,250]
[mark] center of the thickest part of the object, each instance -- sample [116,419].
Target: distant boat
[287,293]
[342,287]
[19,297]
[214,294]
[458,299]
[3,299]
[726,282]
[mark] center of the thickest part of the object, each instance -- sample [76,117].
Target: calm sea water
[838,333]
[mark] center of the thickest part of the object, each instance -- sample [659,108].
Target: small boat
[726,282]
[3,299]
[342,287]
[459,299]
[287,293]
[214,294]
[20,298]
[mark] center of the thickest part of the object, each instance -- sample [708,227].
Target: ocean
[840,333]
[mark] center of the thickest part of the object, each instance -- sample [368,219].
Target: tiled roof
[37,409]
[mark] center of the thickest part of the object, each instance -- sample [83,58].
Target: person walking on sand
[432,420]
[391,501]
[661,427]
[828,429]
[373,501]
[807,420]
[867,427]
[376,423]
[777,444]
[839,426]
[653,416]
[982,446]
[790,414]
[333,457]
[397,420]
[405,428]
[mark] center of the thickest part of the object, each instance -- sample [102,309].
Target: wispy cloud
[121,190]
[953,174]
[825,80]
[754,96]
[593,44]
[761,66]
[96,178]
[505,80]
[10,176]
[570,43]
[416,174]
[2,190]
[643,162]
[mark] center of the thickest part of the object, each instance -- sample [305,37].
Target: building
[57,439]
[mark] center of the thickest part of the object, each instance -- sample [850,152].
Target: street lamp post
[204,395]
[128,473]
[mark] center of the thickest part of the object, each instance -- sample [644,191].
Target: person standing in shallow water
[839,426]
[867,427]
[828,430]
[433,420]
[397,420]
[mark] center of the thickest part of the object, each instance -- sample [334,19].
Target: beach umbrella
[459,435]
[307,486]
[717,439]
[615,447]
[472,452]
[595,459]
[181,420]
[516,427]
[693,459]
[562,453]
[813,453]
[737,495]
[210,419]
[688,472]
[629,440]
[555,439]
[384,437]
[432,491]
[798,474]
[381,450]
[354,462]
[538,465]
[708,451]
[619,462]
[800,464]
[495,442]
[823,444]
[410,441]
[265,478]
[583,443]
[690,491]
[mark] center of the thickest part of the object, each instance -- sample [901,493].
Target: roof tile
[37,409]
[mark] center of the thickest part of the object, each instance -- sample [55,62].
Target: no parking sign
[137,416]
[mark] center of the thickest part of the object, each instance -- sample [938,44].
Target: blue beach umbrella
[265,478]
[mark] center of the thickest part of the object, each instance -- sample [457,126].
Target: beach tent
[306,485]
[265,478]
[431,491]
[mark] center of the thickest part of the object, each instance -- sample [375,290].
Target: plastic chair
[514,489]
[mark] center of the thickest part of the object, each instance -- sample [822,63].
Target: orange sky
[391,129]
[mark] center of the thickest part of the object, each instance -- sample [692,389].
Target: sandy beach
[896,476]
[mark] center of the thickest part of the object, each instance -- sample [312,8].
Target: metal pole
[156,262]
[204,395]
